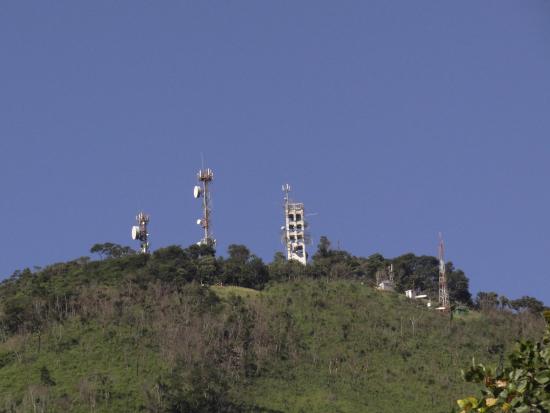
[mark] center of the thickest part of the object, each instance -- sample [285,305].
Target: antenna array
[140,233]
[205,177]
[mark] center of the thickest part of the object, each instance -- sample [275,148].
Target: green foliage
[523,386]
[45,377]
[111,250]
[182,330]
[528,303]
[243,268]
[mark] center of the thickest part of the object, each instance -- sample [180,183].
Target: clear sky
[392,120]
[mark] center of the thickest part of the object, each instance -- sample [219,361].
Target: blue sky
[392,120]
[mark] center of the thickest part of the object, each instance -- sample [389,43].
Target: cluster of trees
[245,269]
[214,348]
[419,273]
[490,301]
[199,263]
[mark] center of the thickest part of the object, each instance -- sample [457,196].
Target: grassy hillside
[114,336]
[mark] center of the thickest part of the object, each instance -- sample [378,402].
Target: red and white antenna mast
[443,290]
[140,232]
[205,176]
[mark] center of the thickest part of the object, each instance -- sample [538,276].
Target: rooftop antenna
[294,237]
[205,177]
[140,233]
[443,290]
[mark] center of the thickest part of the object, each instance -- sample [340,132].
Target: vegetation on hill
[182,330]
[523,386]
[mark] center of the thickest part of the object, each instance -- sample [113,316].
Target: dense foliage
[523,386]
[182,330]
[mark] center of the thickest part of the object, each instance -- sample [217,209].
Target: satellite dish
[135,232]
[199,221]
[197,191]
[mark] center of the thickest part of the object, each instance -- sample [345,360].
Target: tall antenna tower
[443,290]
[140,233]
[205,177]
[294,229]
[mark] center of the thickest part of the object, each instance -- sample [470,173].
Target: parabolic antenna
[135,232]
[199,221]
[197,191]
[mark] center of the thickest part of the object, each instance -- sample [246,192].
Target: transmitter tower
[140,232]
[295,228]
[202,191]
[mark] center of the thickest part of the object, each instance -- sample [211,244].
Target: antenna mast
[205,177]
[294,229]
[443,290]
[140,233]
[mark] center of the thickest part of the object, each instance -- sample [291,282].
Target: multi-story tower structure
[294,229]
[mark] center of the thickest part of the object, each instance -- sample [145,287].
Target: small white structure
[386,286]
[410,294]
[413,296]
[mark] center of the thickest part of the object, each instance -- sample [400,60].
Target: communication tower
[385,279]
[205,177]
[139,232]
[295,229]
[443,290]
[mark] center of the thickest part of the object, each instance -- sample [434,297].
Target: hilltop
[184,331]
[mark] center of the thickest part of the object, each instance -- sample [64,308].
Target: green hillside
[141,334]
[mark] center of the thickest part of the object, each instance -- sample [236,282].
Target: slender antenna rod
[444,304]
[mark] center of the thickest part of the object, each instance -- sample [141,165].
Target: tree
[243,268]
[521,387]
[486,301]
[504,302]
[173,264]
[207,269]
[323,248]
[459,286]
[371,265]
[238,253]
[325,259]
[110,250]
[528,303]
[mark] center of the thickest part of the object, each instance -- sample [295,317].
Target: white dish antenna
[199,221]
[135,232]
[197,191]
